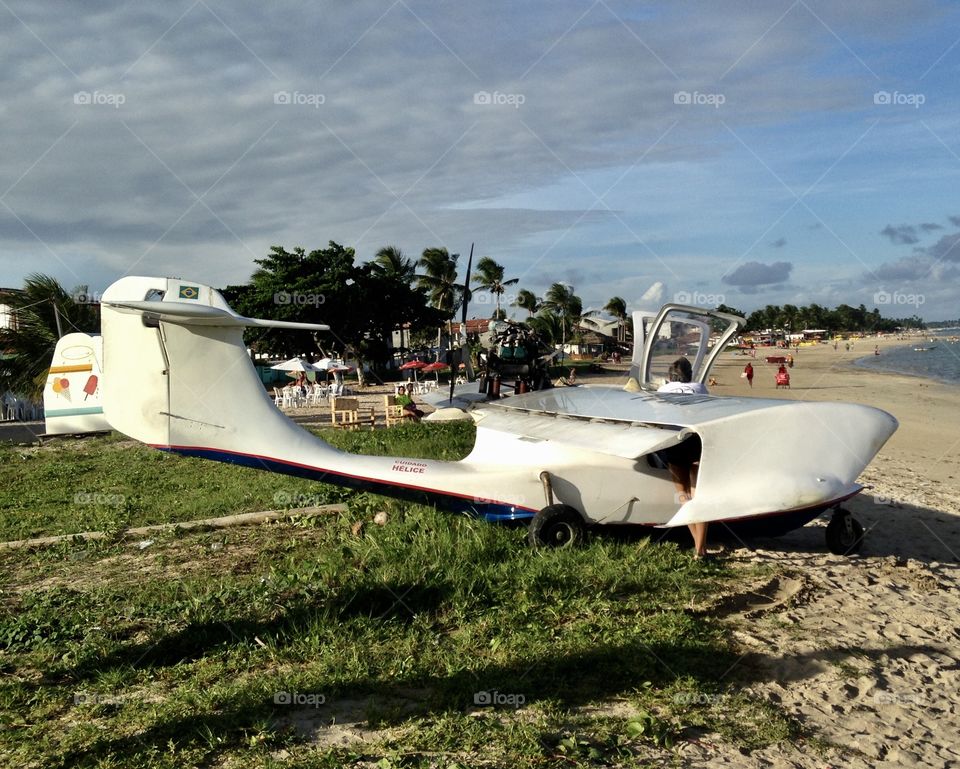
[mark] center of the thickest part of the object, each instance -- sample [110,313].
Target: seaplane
[176,375]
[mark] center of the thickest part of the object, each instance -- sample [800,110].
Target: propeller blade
[464,344]
[453,360]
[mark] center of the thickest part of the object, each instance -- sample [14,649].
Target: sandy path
[869,659]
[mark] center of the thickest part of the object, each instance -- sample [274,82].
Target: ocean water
[941,362]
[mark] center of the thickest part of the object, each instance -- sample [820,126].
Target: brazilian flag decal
[189,292]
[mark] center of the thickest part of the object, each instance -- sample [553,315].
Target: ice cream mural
[71,396]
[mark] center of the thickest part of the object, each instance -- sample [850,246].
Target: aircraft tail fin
[176,372]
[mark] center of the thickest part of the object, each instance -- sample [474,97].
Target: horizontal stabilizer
[193,314]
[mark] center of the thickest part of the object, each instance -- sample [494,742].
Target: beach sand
[863,650]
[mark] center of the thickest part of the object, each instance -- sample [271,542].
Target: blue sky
[752,153]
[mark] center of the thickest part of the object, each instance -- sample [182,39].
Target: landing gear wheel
[556,526]
[844,533]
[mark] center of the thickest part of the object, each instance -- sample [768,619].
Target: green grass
[175,654]
[110,483]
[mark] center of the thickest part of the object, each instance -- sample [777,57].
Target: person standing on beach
[748,372]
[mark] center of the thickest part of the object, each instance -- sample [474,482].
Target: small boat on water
[924,349]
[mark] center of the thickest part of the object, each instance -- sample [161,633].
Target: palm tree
[617,307]
[391,262]
[527,300]
[548,325]
[439,278]
[489,277]
[561,300]
[43,311]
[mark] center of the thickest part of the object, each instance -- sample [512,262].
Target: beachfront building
[7,317]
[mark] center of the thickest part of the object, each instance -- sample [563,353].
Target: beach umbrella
[328,365]
[295,364]
[416,365]
[437,367]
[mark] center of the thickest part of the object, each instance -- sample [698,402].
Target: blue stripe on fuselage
[488,511]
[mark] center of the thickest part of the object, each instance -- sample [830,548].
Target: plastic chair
[317,394]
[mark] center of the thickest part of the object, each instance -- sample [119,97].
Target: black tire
[844,534]
[556,526]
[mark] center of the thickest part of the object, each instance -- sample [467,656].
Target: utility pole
[56,315]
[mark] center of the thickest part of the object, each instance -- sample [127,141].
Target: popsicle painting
[76,368]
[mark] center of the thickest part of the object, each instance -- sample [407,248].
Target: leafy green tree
[314,287]
[391,262]
[42,310]
[489,277]
[362,304]
[842,318]
[731,310]
[561,299]
[617,307]
[548,325]
[527,300]
[438,277]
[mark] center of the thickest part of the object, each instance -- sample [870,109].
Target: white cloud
[398,151]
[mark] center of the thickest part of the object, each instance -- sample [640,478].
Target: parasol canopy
[416,365]
[295,364]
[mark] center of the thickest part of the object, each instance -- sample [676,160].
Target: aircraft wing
[615,404]
[621,439]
